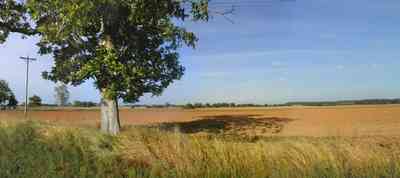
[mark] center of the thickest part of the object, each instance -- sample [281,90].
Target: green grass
[32,150]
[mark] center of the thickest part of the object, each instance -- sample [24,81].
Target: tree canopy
[13,18]
[129,47]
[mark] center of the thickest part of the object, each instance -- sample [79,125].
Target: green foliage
[12,102]
[347,102]
[129,47]
[35,101]
[84,104]
[189,106]
[7,97]
[24,153]
[221,105]
[4,91]
[13,18]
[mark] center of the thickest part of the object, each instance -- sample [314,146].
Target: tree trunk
[110,116]
[109,107]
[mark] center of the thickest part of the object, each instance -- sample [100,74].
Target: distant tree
[77,104]
[35,101]
[207,105]
[4,92]
[84,104]
[198,105]
[62,94]
[189,106]
[220,105]
[7,97]
[167,105]
[12,102]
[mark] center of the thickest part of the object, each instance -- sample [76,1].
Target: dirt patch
[231,125]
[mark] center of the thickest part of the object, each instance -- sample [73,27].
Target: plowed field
[283,121]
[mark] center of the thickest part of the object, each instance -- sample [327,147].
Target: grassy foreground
[32,150]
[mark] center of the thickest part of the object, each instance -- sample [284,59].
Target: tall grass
[33,150]
[28,152]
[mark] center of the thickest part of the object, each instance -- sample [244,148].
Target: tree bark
[109,107]
[110,116]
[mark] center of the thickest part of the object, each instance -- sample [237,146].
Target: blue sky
[288,51]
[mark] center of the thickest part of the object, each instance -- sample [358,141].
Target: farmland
[211,89]
[382,120]
[281,142]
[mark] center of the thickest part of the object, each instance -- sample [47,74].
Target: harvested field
[383,120]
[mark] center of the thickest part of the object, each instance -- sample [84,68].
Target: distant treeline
[221,105]
[306,103]
[84,104]
[203,105]
[236,105]
[346,102]
[74,104]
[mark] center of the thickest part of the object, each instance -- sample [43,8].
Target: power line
[27,60]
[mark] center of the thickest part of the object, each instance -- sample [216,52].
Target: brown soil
[284,121]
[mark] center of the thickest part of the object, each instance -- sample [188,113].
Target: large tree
[128,47]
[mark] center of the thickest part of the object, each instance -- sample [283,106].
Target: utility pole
[27,60]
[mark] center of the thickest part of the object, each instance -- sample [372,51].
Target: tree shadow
[230,124]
